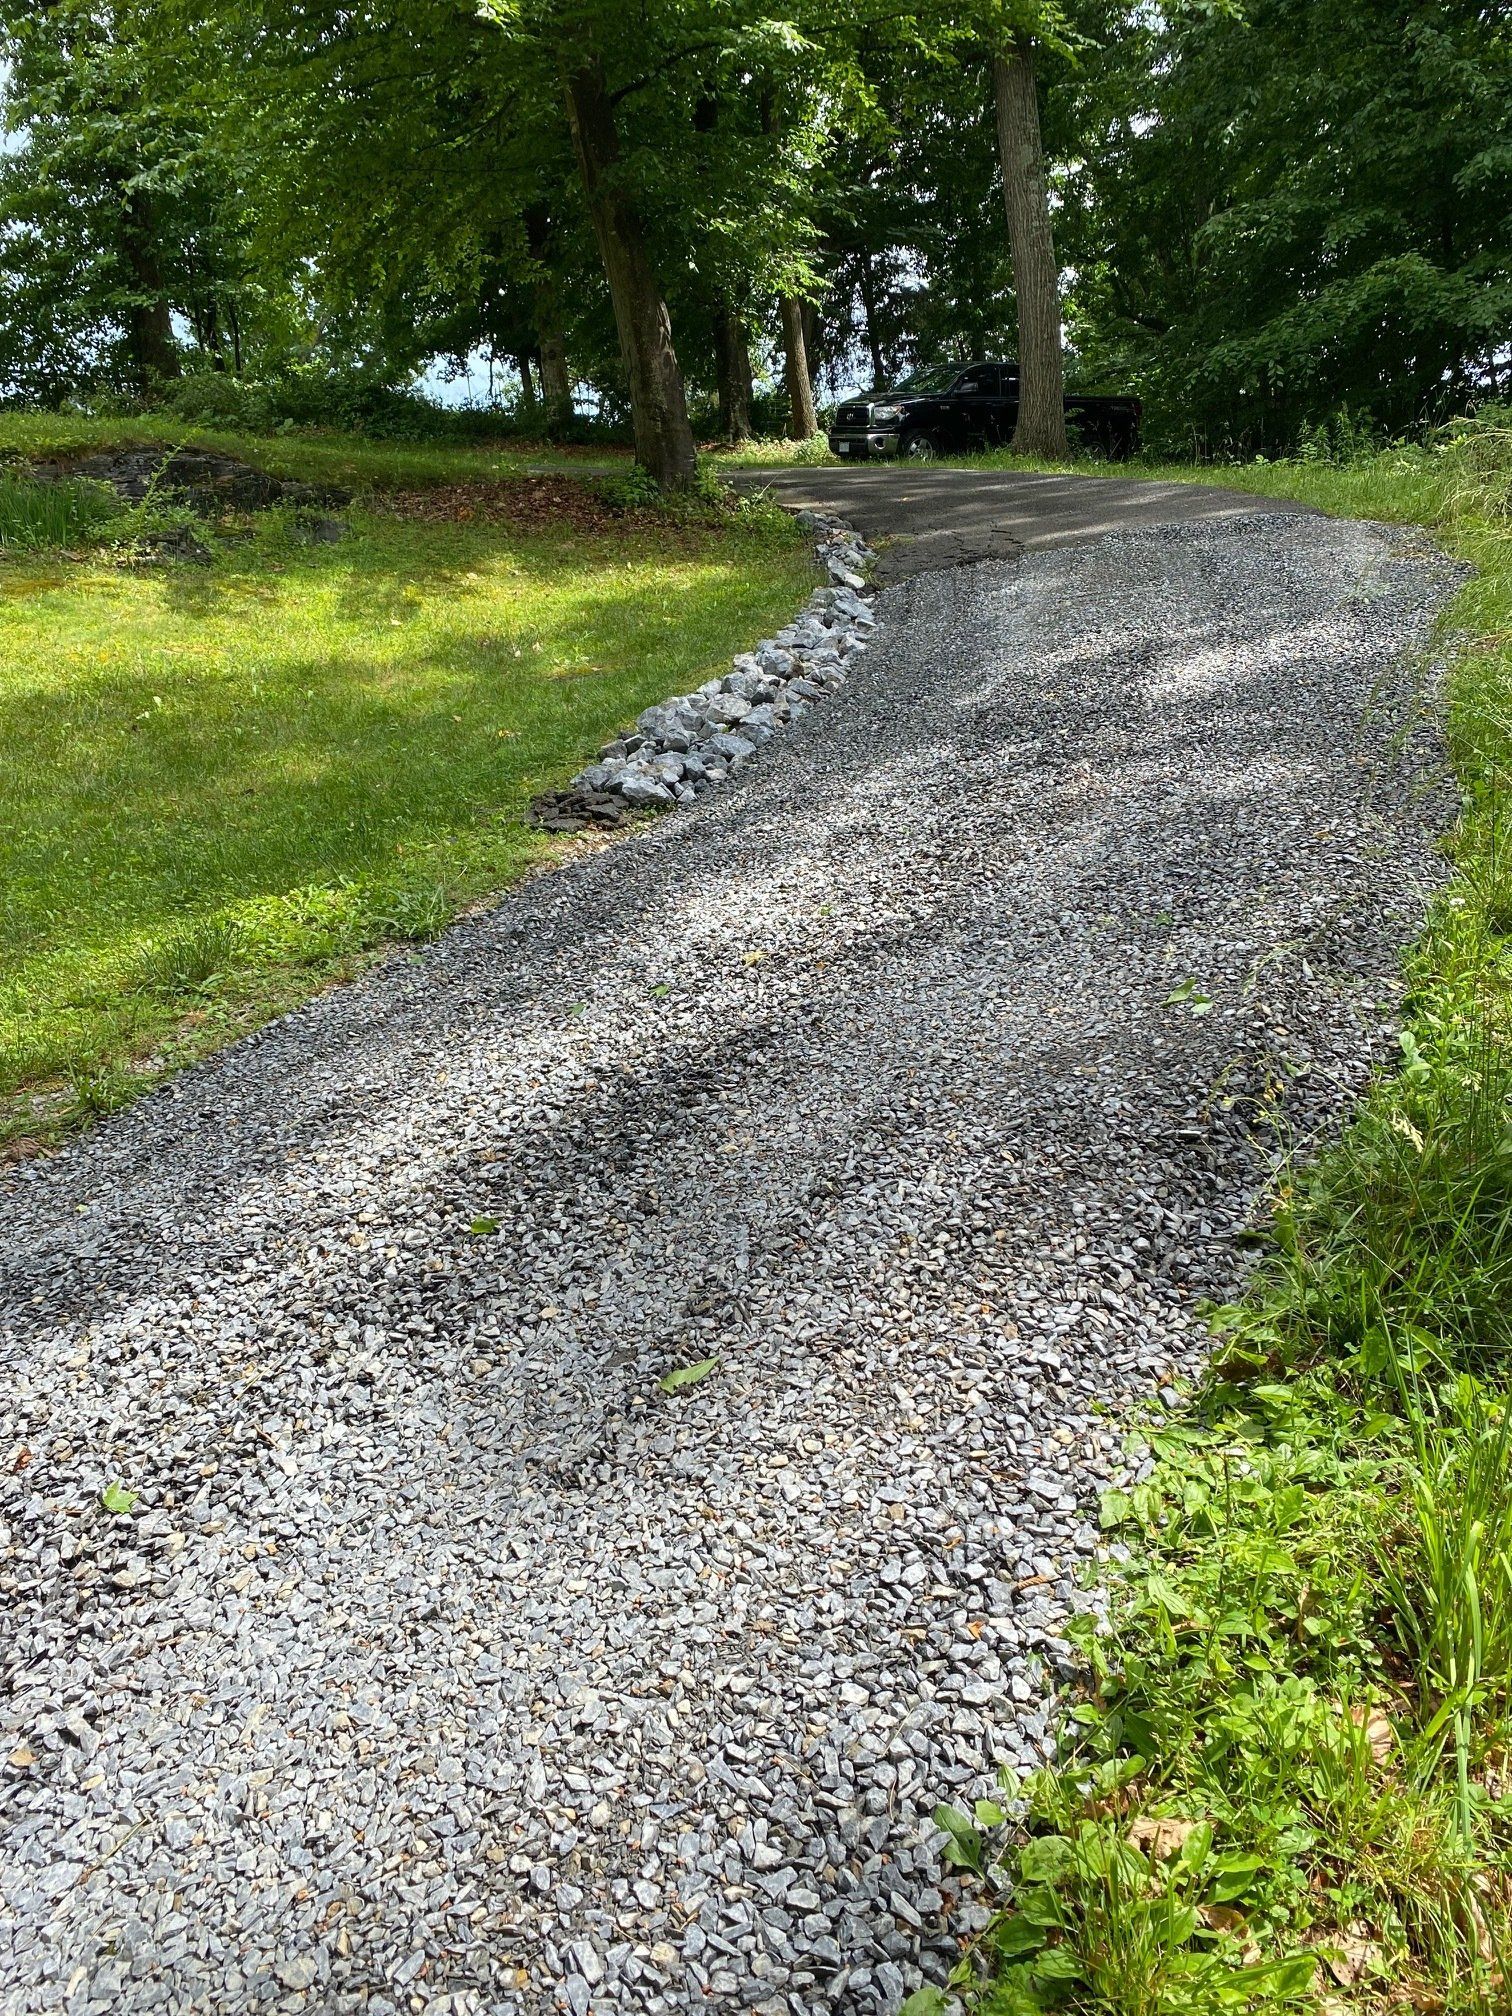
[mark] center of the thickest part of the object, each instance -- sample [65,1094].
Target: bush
[355,404]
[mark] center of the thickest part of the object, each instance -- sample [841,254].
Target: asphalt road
[949,517]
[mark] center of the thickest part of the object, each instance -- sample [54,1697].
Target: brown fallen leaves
[1354,1956]
[1379,1733]
[525,502]
[1160,1839]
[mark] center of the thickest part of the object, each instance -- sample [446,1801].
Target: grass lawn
[305,455]
[225,785]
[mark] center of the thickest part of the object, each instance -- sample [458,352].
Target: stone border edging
[684,746]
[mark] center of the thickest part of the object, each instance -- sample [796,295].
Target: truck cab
[954,410]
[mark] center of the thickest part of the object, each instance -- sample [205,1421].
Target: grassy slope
[303,455]
[226,784]
[1287,1779]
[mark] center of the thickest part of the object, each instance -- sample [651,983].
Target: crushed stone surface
[447,1663]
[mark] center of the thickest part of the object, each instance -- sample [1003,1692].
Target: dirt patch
[522,501]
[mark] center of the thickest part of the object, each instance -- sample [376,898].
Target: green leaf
[1196,1848]
[686,1375]
[1058,1963]
[963,1846]
[1019,1935]
[116,1498]
[989,1813]
[926,2002]
[1234,1877]
[1187,994]
[662,987]
[1044,1858]
[481,1227]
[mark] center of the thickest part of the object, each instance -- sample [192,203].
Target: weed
[776,452]
[35,516]
[192,958]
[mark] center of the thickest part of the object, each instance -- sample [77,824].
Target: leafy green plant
[1101,1922]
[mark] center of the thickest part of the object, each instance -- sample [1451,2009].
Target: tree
[1041,424]
[732,371]
[802,421]
[1293,215]
[658,406]
[115,213]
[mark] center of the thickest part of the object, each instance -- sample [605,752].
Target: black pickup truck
[952,411]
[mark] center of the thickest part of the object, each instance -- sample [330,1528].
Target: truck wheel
[920,447]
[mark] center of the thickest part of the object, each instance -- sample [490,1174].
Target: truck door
[985,415]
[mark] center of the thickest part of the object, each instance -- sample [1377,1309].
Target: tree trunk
[732,371]
[1041,428]
[813,341]
[658,407]
[556,381]
[869,307]
[527,384]
[802,422]
[149,325]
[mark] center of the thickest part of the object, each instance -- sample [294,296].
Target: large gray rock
[727,709]
[639,787]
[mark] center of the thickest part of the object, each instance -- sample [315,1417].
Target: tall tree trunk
[802,421]
[556,381]
[658,407]
[813,341]
[149,325]
[869,306]
[528,401]
[732,371]
[1041,428]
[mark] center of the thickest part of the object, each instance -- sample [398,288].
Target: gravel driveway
[931,517]
[448,1663]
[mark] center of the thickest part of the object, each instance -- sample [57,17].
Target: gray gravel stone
[445,1651]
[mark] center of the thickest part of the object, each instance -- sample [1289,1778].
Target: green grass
[776,452]
[1286,1781]
[303,455]
[34,516]
[225,785]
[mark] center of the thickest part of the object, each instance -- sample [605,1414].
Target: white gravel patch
[448,1664]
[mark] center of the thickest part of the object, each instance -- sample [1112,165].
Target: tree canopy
[1259,217]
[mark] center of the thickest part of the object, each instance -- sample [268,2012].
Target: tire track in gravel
[447,1664]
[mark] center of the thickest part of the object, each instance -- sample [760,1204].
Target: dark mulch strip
[524,501]
[572,810]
